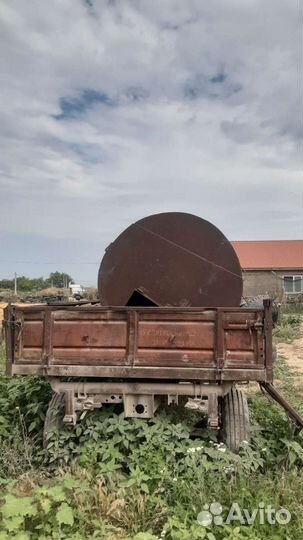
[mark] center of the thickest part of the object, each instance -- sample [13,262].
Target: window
[293,284]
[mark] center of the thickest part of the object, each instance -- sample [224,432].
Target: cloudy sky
[113,110]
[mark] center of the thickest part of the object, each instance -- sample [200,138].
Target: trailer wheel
[54,416]
[235,419]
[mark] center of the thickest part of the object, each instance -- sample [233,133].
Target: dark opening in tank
[138,299]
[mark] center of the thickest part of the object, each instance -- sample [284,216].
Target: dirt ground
[293,352]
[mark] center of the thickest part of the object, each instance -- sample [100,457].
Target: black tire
[235,419]
[54,416]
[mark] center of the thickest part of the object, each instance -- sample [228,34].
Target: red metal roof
[270,254]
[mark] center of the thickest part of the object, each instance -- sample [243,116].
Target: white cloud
[200,114]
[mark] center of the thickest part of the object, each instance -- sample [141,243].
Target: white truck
[76,290]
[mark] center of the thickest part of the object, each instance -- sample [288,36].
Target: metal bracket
[140,406]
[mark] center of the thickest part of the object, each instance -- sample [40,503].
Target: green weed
[2,356]
[288,327]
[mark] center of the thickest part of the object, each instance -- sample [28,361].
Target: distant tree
[25,284]
[6,284]
[39,283]
[59,279]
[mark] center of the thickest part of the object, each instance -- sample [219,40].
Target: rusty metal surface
[172,259]
[268,325]
[140,400]
[204,344]
[146,373]
[164,388]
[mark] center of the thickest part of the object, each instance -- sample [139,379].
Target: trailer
[142,354]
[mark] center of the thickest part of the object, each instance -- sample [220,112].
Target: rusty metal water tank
[170,259]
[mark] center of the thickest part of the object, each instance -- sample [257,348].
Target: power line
[47,262]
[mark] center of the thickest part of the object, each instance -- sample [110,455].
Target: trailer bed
[193,344]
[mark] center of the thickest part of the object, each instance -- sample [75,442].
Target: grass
[288,327]
[2,357]
[117,479]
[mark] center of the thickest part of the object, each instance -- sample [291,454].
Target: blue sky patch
[71,107]
[218,86]
[218,78]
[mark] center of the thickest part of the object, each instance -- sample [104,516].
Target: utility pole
[15,284]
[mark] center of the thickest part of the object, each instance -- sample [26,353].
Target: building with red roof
[273,267]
